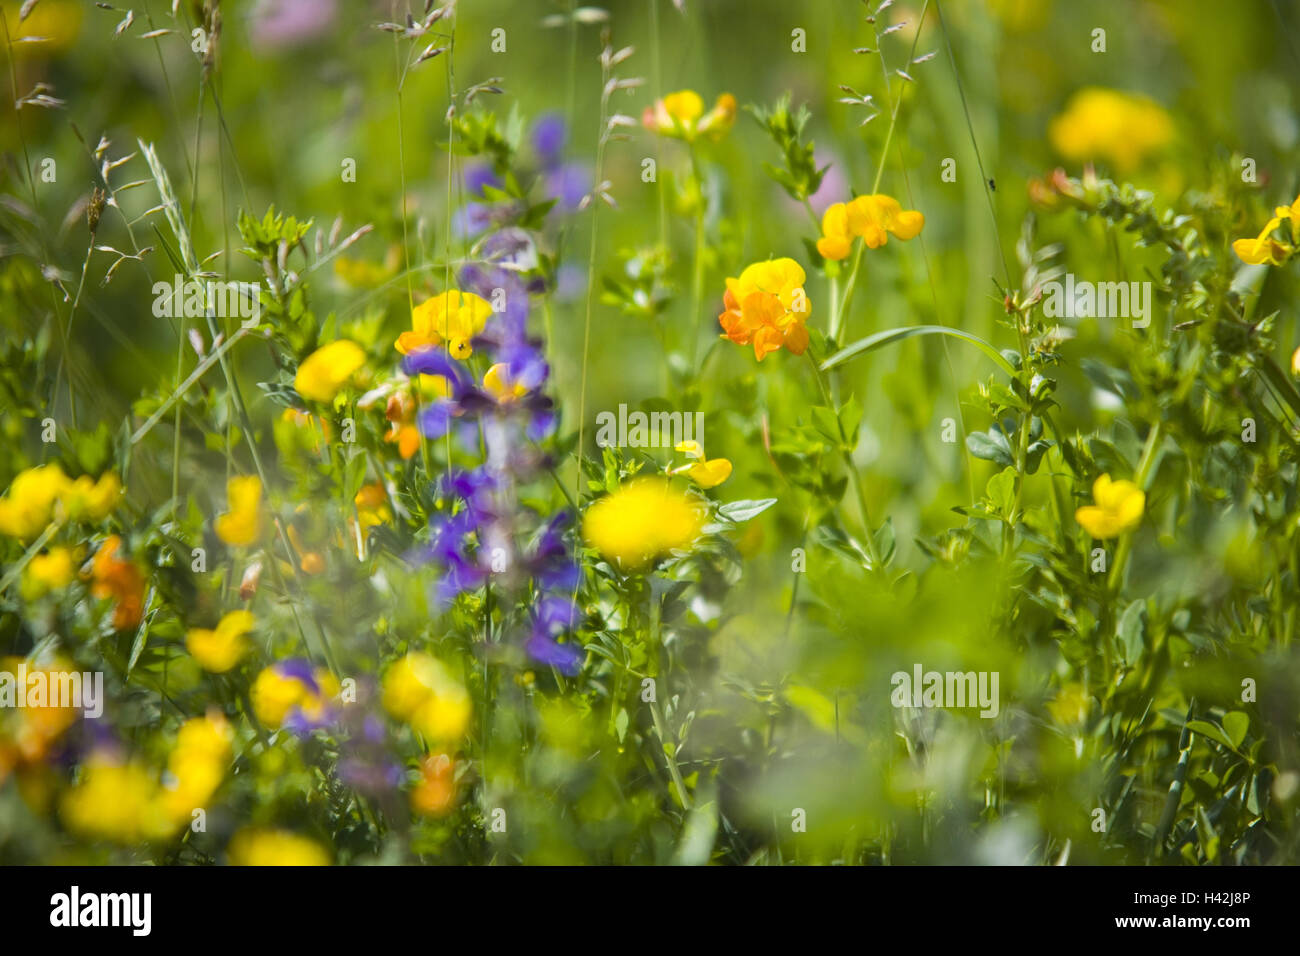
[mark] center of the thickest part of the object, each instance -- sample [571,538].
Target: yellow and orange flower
[873,219]
[1265,249]
[400,412]
[118,579]
[681,115]
[767,307]
[309,560]
[434,794]
[372,505]
[452,317]
[34,730]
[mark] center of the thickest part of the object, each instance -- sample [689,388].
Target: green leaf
[991,446]
[1235,725]
[890,336]
[1034,454]
[1130,631]
[355,473]
[141,634]
[850,418]
[827,424]
[1212,731]
[1001,490]
[745,509]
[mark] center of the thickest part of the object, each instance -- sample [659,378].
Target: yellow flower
[283,689]
[496,382]
[681,115]
[197,765]
[39,727]
[453,317]
[242,524]
[262,846]
[642,520]
[836,240]
[221,649]
[41,494]
[871,217]
[372,505]
[419,690]
[1265,250]
[28,508]
[325,371]
[705,472]
[1119,506]
[767,307]
[361,274]
[116,801]
[52,571]
[1109,125]
[88,500]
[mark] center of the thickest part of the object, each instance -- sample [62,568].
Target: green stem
[837,318]
[846,453]
[661,726]
[697,274]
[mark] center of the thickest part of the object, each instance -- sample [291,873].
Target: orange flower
[310,562]
[767,307]
[372,505]
[400,413]
[36,729]
[119,579]
[434,793]
[681,115]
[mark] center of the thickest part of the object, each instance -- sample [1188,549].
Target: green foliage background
[775,687]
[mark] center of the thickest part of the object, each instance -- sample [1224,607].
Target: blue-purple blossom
[549,135]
